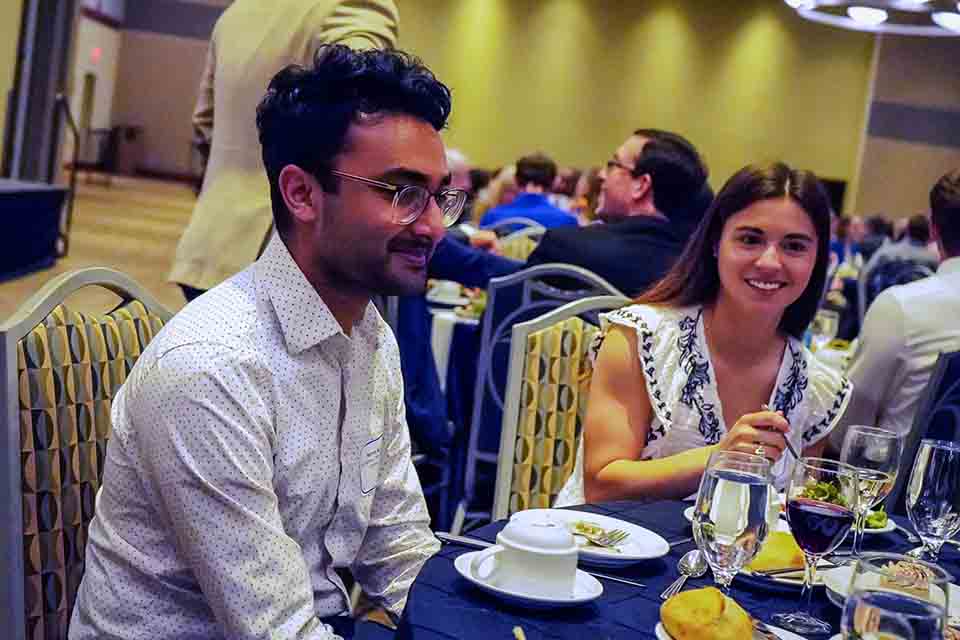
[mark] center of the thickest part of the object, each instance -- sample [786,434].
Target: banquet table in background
[444,605]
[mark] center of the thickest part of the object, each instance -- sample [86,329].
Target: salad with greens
[826,491]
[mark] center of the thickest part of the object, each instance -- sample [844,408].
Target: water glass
[896,596]
[876,455]
[730,517]
[933,495]
[822,498]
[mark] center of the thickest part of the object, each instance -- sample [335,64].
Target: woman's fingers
[765,419]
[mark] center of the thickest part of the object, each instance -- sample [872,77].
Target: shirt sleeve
[876,360]
[360,24]
[207,436]
[203,110]
[398,540]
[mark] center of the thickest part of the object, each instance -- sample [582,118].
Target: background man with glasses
[654,192]
[260,442]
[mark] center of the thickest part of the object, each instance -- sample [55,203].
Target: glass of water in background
[823,329]
[876,455]
[933,495]
[895,596]
[730,517]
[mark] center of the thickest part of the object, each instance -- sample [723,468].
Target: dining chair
[514,224]
[514,298]
[61,369]
[520,244]
[937,417]
[548,382]
[878,275]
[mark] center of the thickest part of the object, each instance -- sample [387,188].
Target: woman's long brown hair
[695,280]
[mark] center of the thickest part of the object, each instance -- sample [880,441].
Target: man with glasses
[259,444]
[654,192]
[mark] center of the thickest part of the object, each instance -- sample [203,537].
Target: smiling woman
[713,343]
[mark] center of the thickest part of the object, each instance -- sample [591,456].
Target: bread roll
[705,614]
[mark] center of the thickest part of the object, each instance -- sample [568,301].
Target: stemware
[896,596]
[730,517]
[876,455]
[933,495]
[822,498]
[823,329]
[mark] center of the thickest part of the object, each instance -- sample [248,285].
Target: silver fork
[610,538]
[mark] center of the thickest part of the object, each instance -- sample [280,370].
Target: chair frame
[531,279]
[511,410]
[506,223]
[896,501]
[28,316]
[863,278]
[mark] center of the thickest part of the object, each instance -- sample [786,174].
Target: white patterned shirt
[682,387]
[256,448]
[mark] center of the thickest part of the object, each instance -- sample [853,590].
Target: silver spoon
[693,564]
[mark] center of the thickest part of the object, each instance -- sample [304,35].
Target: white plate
[783,634]
[452,301]
[585,588]
[837,582]
[642,544]
[782,524]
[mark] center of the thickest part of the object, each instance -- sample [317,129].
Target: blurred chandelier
[903,17]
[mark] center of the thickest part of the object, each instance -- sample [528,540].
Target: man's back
[631,254]
[251,41]
[905,330]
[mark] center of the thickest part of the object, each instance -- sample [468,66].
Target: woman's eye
[750,240]
[795,246]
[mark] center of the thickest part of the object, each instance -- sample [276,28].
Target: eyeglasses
[613,162]
[411,200]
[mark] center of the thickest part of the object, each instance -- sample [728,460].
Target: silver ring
[759,450]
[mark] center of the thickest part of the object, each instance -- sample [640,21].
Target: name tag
[370,465]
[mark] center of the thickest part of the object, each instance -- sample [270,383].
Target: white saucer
[450,301]
[586,588]
[837,582]
[783,634]
[642,544]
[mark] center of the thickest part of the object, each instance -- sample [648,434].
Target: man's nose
[430,222]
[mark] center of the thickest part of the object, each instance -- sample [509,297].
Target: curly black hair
[304,117]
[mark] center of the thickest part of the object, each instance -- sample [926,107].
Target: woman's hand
[761,433]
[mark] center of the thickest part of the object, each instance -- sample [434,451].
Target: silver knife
[483,544]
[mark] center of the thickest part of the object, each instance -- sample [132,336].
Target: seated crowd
[260,446]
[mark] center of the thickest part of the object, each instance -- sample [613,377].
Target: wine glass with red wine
[822,500]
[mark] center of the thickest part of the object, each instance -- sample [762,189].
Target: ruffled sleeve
[828,393]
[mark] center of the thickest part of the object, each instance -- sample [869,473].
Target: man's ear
[642,187]
[301,193]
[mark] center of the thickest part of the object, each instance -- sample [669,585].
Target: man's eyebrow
[402,175]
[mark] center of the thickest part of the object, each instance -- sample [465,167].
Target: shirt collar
[305,320]
[950,265]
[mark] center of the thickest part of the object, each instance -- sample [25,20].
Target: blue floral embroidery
[810,434]
[694,363]
[790,394]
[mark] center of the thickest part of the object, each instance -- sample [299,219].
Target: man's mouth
[766,285]
[415,255]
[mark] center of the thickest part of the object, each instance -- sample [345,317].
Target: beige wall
[745,81]
[9,38]
[90,35]
[897,173]
[156,89]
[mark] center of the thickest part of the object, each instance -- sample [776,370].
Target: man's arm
[398,540]
[360,24]
[471,267]
[207,436]
[874,366]
[545,252]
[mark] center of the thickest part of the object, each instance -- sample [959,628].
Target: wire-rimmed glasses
[411,200]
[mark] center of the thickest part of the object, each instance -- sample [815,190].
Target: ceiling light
[869,16]
[947,19]
[902,17]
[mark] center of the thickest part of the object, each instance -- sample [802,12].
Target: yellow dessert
[779,551]
[705,614]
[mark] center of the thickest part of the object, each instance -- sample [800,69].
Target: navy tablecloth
[444,605]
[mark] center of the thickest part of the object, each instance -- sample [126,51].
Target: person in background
[653,192]
[501,190]
[908,326]
[912,248]
[879,231]
[585,196]
[564,185]
[259,443]
[688,368]
[251,41]
[841,245]
[534,177]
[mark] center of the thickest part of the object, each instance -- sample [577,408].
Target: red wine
[818,526]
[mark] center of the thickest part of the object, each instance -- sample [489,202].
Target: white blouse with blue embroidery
[682,387]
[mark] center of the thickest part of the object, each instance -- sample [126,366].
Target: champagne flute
[890,592]
[730,517]
[933,495]
[822,498]
[876,455]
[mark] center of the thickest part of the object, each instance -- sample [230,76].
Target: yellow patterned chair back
[518,247]
[547,390]
[61,370]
